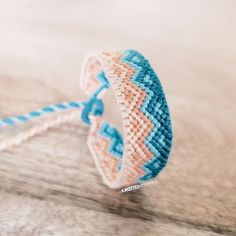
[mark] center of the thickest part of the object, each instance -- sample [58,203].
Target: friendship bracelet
[142,152]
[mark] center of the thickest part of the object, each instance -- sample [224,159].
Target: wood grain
[50,186]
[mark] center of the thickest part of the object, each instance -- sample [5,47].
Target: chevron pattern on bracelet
[156,110]
[145,114]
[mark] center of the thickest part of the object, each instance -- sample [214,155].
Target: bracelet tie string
[78,110]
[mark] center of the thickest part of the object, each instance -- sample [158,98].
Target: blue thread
[105,84]
[61,106]
[34,114]
[21,118]
[94,105]
[48,109]
[102,78]
[116,146]
[8,121]
[74,104]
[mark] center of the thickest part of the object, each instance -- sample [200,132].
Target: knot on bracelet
[93,106]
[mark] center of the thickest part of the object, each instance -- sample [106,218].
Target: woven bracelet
[143,151]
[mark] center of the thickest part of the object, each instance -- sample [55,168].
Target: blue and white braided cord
[11,121]
[75,113]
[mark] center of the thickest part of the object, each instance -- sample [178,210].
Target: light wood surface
[50,186]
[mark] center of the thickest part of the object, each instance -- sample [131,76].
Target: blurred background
[191,45]
[48,40]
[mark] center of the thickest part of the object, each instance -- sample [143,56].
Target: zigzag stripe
[100,146]
[116,141]
[146,103]
[138,71]
[134,158]
[162,130]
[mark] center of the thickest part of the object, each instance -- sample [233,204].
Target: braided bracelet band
[145,114]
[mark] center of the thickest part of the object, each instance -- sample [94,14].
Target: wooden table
[49,185]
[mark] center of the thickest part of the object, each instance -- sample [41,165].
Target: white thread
[18,139]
